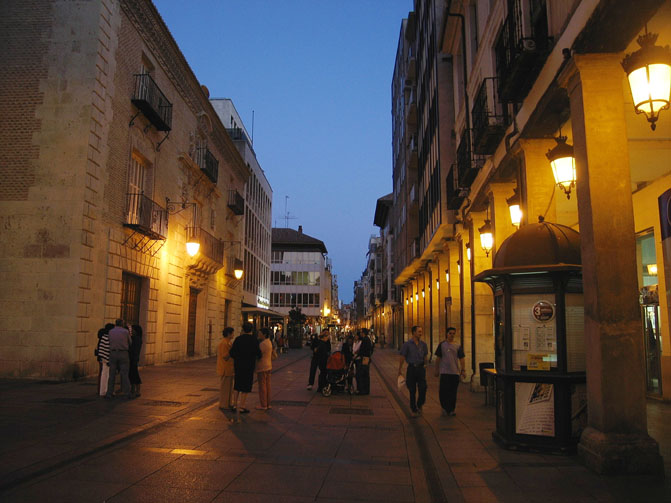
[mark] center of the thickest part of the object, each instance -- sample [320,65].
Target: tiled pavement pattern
[174,444]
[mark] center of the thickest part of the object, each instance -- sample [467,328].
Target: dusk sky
[317,74]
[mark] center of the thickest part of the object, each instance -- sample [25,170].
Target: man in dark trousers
[451,365]
[363,369]
[314,343]
[414,353]
[244,351]
[119,340]
[322,353]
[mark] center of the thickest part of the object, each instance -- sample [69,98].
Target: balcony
[149,99]
[519,55]
[146,217]
[208,163]
[468,165]
[454,194]
[236,202]
[210,256]
[490,118]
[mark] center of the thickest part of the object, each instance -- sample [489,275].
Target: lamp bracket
[175,207]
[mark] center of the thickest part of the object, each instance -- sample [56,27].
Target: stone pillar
[502,227]
[616,440]
[483,299]
[539,192]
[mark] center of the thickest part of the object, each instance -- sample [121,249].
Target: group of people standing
[357,348]
[450,366]
[237,360]
[118,351]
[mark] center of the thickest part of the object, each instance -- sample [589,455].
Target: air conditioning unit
[528,45]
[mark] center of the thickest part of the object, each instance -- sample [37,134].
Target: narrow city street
[174,444]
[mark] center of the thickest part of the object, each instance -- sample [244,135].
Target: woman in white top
[263,368]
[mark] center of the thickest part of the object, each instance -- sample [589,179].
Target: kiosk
[539,371]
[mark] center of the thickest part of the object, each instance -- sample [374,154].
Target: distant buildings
[257,219]
[301,275]
[112,159]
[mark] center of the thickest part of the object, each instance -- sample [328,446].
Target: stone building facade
[519,78]
[113,159]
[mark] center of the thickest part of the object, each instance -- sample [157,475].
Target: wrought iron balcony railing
[454,194]
[468,164]
[146,217]
[520,53]
[208,164]
[236,202]
[210,247]
[149,99]
[490,118]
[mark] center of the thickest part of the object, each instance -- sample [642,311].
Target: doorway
[131,295]
[191,326]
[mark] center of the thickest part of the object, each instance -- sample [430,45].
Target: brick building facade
[112,157]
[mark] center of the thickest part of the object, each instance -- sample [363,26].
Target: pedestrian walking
[225,369]
[102,351]
[264,368]
[363,369]
[314,343]
[120,342]
[414,353]
[245,351]
[322,353]
[134,357]
[451,365]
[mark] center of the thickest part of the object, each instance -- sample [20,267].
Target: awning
[262,312]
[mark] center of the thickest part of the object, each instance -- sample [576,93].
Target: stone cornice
[150,25]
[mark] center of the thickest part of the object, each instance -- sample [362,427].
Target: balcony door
[136,183]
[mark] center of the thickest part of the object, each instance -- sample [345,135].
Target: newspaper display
[534,331]
[534,409]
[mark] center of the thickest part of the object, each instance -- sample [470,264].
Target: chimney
[300,229]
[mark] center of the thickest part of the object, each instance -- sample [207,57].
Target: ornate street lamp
[237,269]
[486,237]
[515,210]
[563,164]
[649,74]
[192,243]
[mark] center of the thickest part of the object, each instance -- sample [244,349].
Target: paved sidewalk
[485,472]
[49,424]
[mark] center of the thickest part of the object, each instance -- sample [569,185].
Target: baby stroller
[337,372]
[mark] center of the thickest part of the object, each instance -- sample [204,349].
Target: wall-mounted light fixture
[649,74]
[422,293]
[447,275]
[515,208]
[238,269]
[416,296]
[486,237]
[437,284]
[192,240]
[563,164]
[459,267]
[652,269]
[468,251]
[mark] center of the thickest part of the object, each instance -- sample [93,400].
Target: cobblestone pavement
[61,443]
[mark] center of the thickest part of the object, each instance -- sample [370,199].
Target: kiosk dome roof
[543,245]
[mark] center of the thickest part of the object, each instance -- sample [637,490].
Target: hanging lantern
[437,284]
[468,251]
[192,243]
[459,267]
[649,74]
[486,237]
[237,269]
[515,210]
[447,275]
[563,165]
[422,293]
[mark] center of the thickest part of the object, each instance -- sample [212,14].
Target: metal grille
[131,288]
[162,403]
[70,401]
[350,411]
